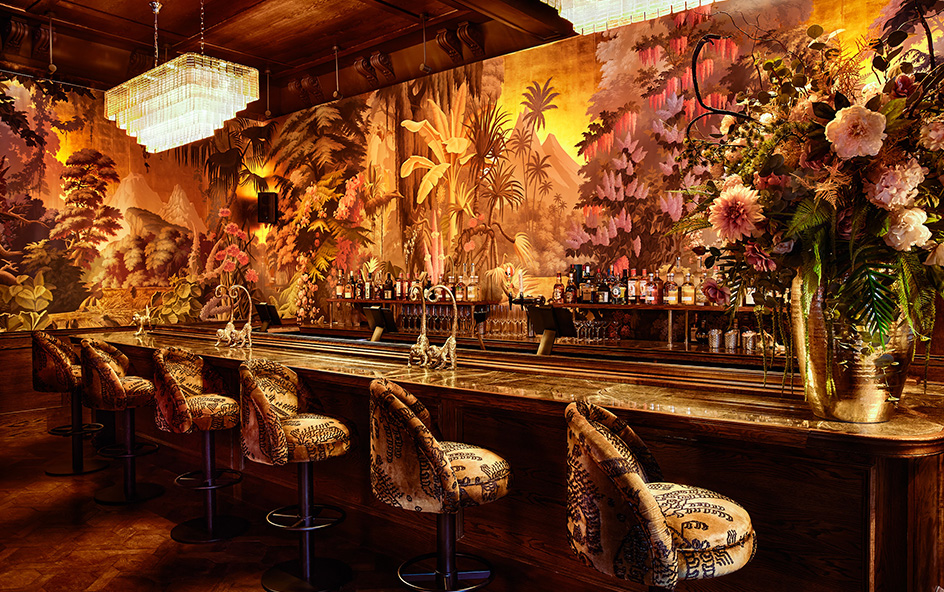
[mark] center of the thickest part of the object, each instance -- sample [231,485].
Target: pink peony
[907,229]
[231,228]
[932,135]
[714,292]
[757,258]
[904,86]
[896,187]
[252,276]
[735,213]
[856,131]
[224,212]
[229,266]
[732,181]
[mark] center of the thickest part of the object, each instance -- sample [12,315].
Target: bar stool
[108,387]
[282,423]
[191,396]
[56,369]
[411,469]
[624,521]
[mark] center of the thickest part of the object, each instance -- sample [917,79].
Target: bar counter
[836,506]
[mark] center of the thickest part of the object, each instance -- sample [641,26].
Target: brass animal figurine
[432,356]
[142,320]
[226,334]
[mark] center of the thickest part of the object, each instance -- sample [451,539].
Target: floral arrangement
[832,177]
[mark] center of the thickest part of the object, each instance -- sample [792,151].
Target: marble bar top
[917,429]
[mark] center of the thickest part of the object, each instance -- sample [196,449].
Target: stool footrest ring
[429,580]
[66,430]
[196,479]
[322,516]
[118,450]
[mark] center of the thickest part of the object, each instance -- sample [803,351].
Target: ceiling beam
[528,16]
[392,8]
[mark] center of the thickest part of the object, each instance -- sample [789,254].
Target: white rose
[767,119]
[936,257]
[907,229]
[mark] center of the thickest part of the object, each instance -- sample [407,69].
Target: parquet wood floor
[55,538]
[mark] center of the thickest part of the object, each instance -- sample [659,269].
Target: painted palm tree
[538,100]
[489,137]
[443,183]
[536,174]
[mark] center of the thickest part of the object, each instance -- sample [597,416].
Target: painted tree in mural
[86,222]
[538,100]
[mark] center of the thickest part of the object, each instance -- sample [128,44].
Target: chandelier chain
[156,8]
[201,27]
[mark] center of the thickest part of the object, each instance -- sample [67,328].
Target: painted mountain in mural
[134,192]
[179,210]
[564,172]
[144,224]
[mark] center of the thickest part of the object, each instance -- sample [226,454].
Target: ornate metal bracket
[432,356]
[709,38]
[229,333]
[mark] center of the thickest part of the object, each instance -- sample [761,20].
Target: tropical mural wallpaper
[565,153]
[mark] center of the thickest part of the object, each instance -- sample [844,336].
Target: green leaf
[879,63]
[814,31]
[841,101]
[823,111]
[810,214]
[893,110]
[896,38]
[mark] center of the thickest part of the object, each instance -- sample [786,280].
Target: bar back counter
[836,506]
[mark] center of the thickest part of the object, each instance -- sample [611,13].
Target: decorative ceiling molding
[450,44]
[13,32]
[471,35]
[382,63]
[311,86]
[362,66]
[41,41]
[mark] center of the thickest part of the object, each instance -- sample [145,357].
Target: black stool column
[446,576]
[211,527]
[77,430]
[129,492]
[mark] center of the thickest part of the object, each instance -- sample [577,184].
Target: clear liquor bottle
[688,290]
[339,287]
[460,290]
[618,288]
[670,290]
[472,292]
[700,298]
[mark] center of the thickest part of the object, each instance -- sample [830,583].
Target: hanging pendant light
[183,100]
[592,16]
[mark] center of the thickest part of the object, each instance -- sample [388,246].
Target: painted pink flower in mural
[229,266]
[232,250]
[242,257]
[252,276]
[468,246]
[856,131]
[735,213]
[714,292]
[242,235]
[224,212]
[219,255]
[231,228]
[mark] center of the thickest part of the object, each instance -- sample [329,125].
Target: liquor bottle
[349,287]
[570,292]
[702,335]
[416,290]
[388,288]
[631,292]
[558,293]
[700,298]
[359,287]
[426,286]
[460,289]
[369,287]
[657,288]
[603,288]
[339,287]
[472,293]
[688,290]
[618,289]
[398,287]
[641,283]
[587,286]
[670,290]
[648,286]
[693,330]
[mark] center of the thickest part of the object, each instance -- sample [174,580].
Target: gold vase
[866,384]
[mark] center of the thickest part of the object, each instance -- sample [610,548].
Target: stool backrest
[270,392]
[179,374]
[103,367]
[614,524]
[408,468]
[52,364]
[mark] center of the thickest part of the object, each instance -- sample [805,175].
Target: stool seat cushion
[314,437]
[483,476]
[139,392]
[54,364]
[213,412]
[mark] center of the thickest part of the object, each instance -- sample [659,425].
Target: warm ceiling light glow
[181,101]
[591,16]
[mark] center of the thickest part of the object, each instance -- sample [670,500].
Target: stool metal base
[292,518]
[116,496]
[420,573]
[326,574]
[195,531]
[120,451]
[66,468]
[86,429]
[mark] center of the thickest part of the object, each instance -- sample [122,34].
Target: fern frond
[810,214]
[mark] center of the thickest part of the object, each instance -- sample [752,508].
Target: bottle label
[671,298]
[688,299]
[460,295]
[388,294]
[603,297]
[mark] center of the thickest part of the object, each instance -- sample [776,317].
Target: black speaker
[268,208]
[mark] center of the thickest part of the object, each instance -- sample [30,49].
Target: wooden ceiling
[101,43]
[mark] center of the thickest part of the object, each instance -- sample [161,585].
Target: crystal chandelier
[183,100]
[591,16]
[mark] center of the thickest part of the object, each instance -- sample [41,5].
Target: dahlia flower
[856,131]
[907,229]
[758,259]
[735,213]
[895,187]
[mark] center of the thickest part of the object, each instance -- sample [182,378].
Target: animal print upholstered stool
[191,396]
[282,423]
[624,521]
[56,369]
[108,386]
[411,469]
